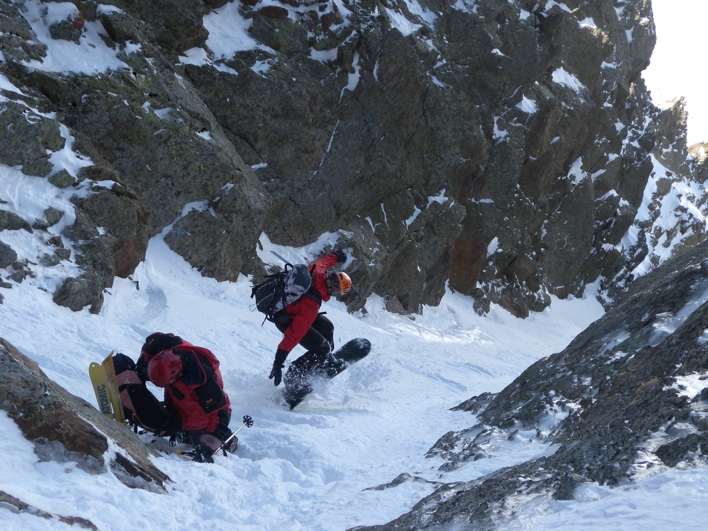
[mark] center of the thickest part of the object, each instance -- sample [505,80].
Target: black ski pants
[319,343]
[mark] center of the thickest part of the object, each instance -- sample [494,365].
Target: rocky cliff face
[623,399]
[508,148]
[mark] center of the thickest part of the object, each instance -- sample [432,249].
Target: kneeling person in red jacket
[194,389]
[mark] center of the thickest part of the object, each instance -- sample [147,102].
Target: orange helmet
[164,368]
[338,282]
[345,283]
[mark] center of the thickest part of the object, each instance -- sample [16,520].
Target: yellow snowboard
[103,378]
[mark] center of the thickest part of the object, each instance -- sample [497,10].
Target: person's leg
[223,432]
[325,328]
[297,377]
[319,342]
[330,365]
[139,404]
[320,336]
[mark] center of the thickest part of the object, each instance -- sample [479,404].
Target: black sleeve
[280,356]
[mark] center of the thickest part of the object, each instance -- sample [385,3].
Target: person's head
[164,368]
[157,342]
[338,282]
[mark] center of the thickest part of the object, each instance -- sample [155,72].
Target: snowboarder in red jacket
[194,389]
[301,323]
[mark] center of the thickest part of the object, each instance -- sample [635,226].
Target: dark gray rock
[18,506]
[115,250]
[66,428]
[52,216]
[18,42]
[216,239]
[174,25]
[26,142]
[11,221]
[70,29]
[7,255]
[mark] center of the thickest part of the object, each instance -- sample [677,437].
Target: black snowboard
[346,355]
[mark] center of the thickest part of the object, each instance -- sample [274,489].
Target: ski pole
[247,422]
[283,259]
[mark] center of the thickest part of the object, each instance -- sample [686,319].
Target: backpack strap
[314,295]
[312,292]
[271,314]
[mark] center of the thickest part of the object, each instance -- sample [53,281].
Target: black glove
[202,453]
[276,374]
[341,256]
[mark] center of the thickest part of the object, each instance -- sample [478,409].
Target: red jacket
[198,394]
[303,311]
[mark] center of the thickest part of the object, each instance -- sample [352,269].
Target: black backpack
[283,288]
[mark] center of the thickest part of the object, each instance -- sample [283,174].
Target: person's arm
[328,260]
[341,256]
[302,315]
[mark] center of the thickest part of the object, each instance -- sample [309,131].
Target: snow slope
[312,468]
[306,469]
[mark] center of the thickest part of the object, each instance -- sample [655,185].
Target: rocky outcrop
[623,399]
[508,150]
[65,428]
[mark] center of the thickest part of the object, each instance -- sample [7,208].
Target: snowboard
[348,354]
[103,379]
